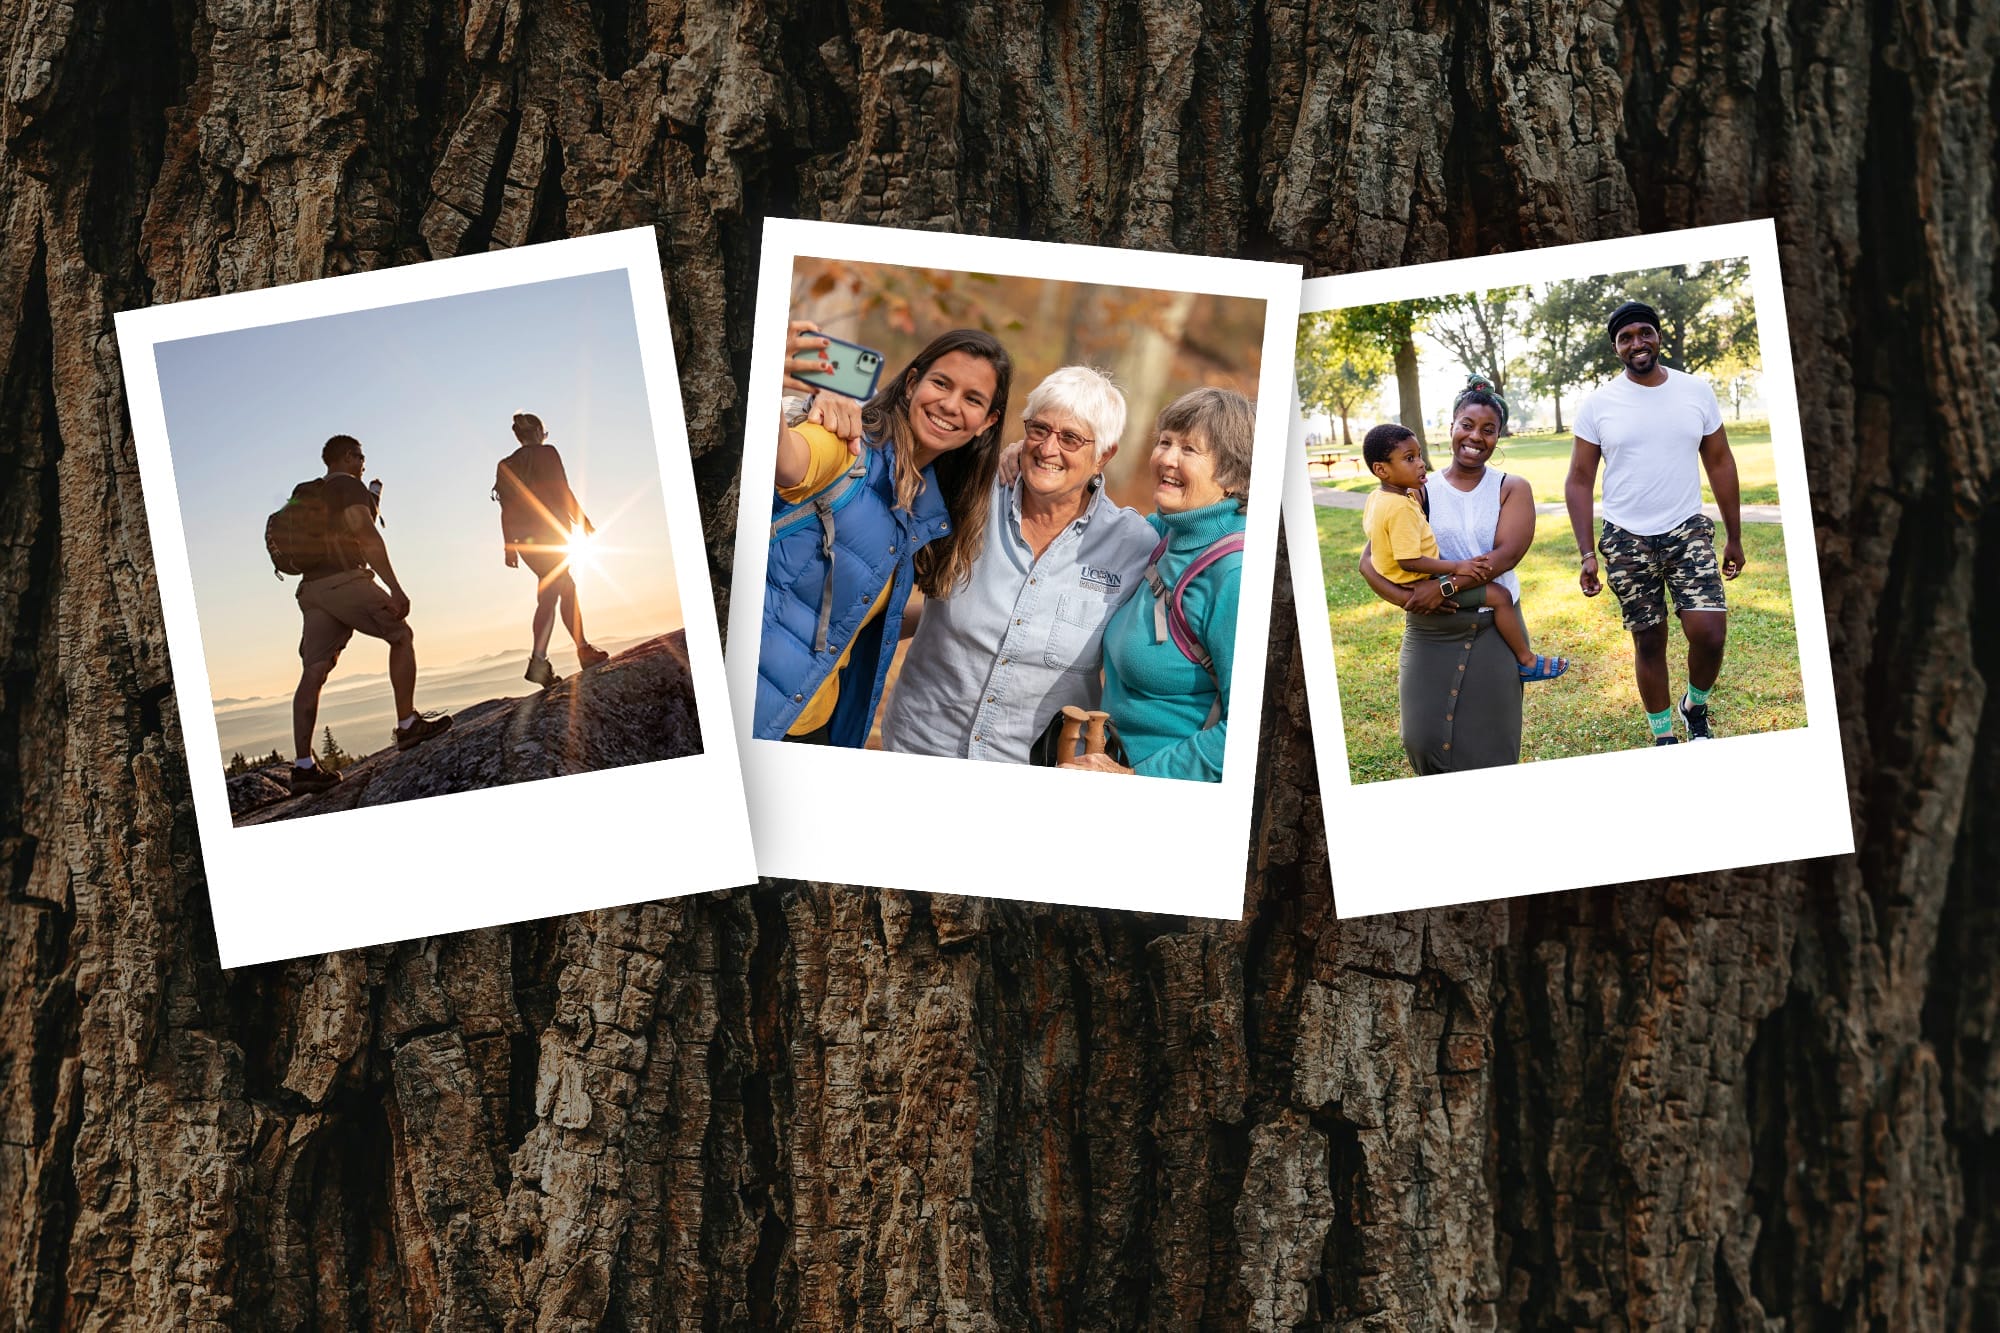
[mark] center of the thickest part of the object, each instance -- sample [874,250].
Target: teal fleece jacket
[1156,697]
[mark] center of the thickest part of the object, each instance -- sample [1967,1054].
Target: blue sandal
[1545,668]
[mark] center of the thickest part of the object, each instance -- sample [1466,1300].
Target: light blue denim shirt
[992,663]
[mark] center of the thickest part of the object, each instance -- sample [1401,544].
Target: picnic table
[1330,457]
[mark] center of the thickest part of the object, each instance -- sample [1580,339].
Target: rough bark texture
[1767,1099]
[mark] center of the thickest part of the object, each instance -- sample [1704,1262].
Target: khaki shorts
[548,562]
[339,604]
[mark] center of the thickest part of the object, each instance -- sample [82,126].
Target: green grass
[1595,707]
[1543,459]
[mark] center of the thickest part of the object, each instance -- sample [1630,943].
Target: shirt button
[1447,717]
[989,698]
[1447,744]
[1454,694]
[975,735]
[1003,661]
[1017,620]
[1461,665]
[892,548]
[798,698]
[1032,580]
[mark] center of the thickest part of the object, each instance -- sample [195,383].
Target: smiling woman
[867,507]
[995,661]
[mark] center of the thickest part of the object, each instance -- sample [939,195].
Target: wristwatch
[1446,586]
[796,406]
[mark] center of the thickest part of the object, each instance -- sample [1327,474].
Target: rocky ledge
[634,709]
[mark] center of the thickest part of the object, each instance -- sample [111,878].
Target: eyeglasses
[1066,440]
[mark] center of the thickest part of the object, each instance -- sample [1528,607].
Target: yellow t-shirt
[828,462]
[1397,531]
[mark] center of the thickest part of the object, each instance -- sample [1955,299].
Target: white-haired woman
[997,659]
[1168,655]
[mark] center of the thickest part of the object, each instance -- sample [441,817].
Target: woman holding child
[851,533]
[1459,680]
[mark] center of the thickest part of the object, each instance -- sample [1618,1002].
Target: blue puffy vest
[830,556]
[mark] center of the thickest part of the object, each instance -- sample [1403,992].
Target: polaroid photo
[1000,611]
[1559,601]
[444,646]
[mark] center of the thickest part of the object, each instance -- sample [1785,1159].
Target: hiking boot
[540,672]
[1696,718]
[305,780]
[588,657]
[425,727]
[1658,741]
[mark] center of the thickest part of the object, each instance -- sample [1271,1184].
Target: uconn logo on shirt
[1100,580]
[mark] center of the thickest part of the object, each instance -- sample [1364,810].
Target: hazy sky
[430,389]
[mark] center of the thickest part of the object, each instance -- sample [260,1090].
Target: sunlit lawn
[1595,707]
[1543,459]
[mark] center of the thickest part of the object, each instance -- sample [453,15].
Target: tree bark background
[1756,1100]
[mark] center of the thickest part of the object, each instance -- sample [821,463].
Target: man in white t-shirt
[1648,427]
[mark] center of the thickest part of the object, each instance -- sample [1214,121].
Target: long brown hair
[964,475]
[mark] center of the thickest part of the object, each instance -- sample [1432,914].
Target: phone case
[855,369]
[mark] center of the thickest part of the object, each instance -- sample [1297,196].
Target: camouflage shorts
[1642,570]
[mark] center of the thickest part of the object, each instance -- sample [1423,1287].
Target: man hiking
[338,596]
[540,517]
[1649,425]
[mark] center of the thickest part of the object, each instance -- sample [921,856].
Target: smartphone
[375,489]
[855,369]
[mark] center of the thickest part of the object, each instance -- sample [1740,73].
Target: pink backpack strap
[1169,618]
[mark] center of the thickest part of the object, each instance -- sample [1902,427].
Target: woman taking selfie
[852,534]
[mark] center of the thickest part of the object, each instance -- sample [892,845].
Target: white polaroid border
[1004,830]
[1776,796]
[447,863]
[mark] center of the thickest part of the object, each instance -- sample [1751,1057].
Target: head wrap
[1632,312]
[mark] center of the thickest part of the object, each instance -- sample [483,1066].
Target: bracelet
[1586,555]
[795,407]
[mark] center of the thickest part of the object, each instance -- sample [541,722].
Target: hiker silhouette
[541,521]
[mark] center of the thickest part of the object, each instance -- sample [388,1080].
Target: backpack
[529,495]
[1170,620]
[300,535]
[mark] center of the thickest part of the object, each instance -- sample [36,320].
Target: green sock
[1661,723]
[1697,698]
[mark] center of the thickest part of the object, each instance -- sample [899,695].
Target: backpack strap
[830,499]
[1170,617]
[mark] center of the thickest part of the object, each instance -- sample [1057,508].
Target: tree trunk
[1409,395]
[1756,1099]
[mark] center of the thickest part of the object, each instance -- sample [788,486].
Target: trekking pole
[1072,728]
[1094,741]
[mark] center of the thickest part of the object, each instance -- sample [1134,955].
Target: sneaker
[588,657]
[426,726]
[540,672]
[1658,741]
[312,779]
[1696,718]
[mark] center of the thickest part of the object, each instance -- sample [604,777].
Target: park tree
[1758,1099]
[1563,322]
[1393,325]
[1339,366]
[1481,330]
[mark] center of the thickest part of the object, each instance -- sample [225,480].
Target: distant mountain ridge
[638,708]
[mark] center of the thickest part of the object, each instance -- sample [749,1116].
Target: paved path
[1328,497]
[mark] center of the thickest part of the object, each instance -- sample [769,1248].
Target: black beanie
[1632,312]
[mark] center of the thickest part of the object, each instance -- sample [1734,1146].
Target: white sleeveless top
[1465,521]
